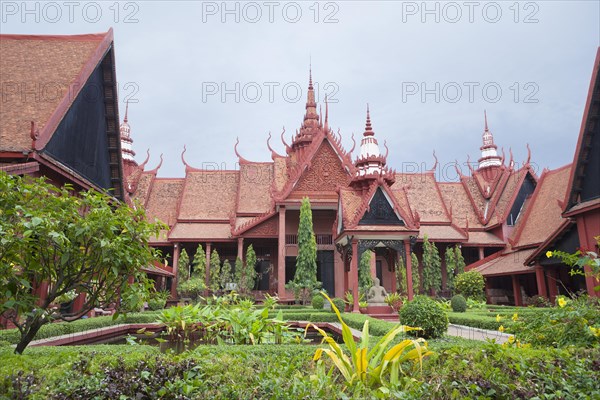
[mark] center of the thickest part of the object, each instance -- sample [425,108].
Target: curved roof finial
[386,149]
[511,160]
[503,157]
[273,152]
[436,162]
[326,124]
[528,154]
[183,158]
[237,142]
[143,165]
[287,147]
[353,144]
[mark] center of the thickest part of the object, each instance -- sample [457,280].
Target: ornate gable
[325,172]
[380,211]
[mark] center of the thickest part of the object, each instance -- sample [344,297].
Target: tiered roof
[221,205]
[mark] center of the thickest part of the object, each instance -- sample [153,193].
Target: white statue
[376,293]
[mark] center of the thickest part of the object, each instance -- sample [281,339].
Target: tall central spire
[311,118]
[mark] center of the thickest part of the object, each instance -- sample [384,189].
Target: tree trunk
[28,336]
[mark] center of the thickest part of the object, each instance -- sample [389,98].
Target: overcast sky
[203,73]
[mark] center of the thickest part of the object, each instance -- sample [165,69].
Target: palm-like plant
[377,367]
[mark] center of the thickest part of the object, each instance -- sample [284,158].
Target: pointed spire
[126,110]
[485,118]
[368,127]
[326,115]
[310,83]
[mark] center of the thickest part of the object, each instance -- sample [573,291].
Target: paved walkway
[468,332]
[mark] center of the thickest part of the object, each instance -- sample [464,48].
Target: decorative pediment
[380,211]
[324,172]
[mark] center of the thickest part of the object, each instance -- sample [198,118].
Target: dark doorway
[325,270]
[262,278]
[290,268]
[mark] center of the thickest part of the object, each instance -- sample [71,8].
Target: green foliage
[481,321]
[460,261]
[199,262]
[458,303]
[318,302]
[90,244]
[450,268]
[394,300]
[471,285]
[415,273]
[183,266]
[432,272]
[249,275]
[581,259]
[339,304]
[401,281]
[191,288]
[570,323]
[375,367]
[365,281]
[427,314]
[215,271]
[226,275]
[305,278]
[158,300]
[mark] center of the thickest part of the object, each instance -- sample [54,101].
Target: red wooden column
[481,253]
[281,254]
[409,271]
[541,281]
[240,251]
[78,303]
[552,286]
[41,291]
[175,269]
[353,281]
[517,290]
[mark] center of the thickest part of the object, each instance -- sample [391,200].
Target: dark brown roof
[423,196]
[163,199]
[508,263]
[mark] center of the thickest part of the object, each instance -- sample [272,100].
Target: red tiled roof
[543,214]
[43,68]
[254,195]
[200,231]
[143,188]
[484,238]
[459,205]
[507,264]
[163,199]
[423,196]
[351,202]
[209,195]
[280,171]
[442,233]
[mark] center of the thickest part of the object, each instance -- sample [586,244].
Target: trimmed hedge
[287,372]
[478,321]
[12,336]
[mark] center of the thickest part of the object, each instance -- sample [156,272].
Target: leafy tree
[432,273]
[215,271]
[89,244]
[226,276]
[471,285]
[365,281]
[199,262]
[401,281]
[249,275]
[415,273]
[305,279]
[450,267]
[460,261]
[238,273]
[183,267]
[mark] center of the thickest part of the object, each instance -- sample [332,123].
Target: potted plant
[394,300]
[362,307]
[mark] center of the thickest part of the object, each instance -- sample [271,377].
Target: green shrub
[478,321]
[458,303]
[471,285]
[318,302]
[427,314]
[573,322]
[339,303]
